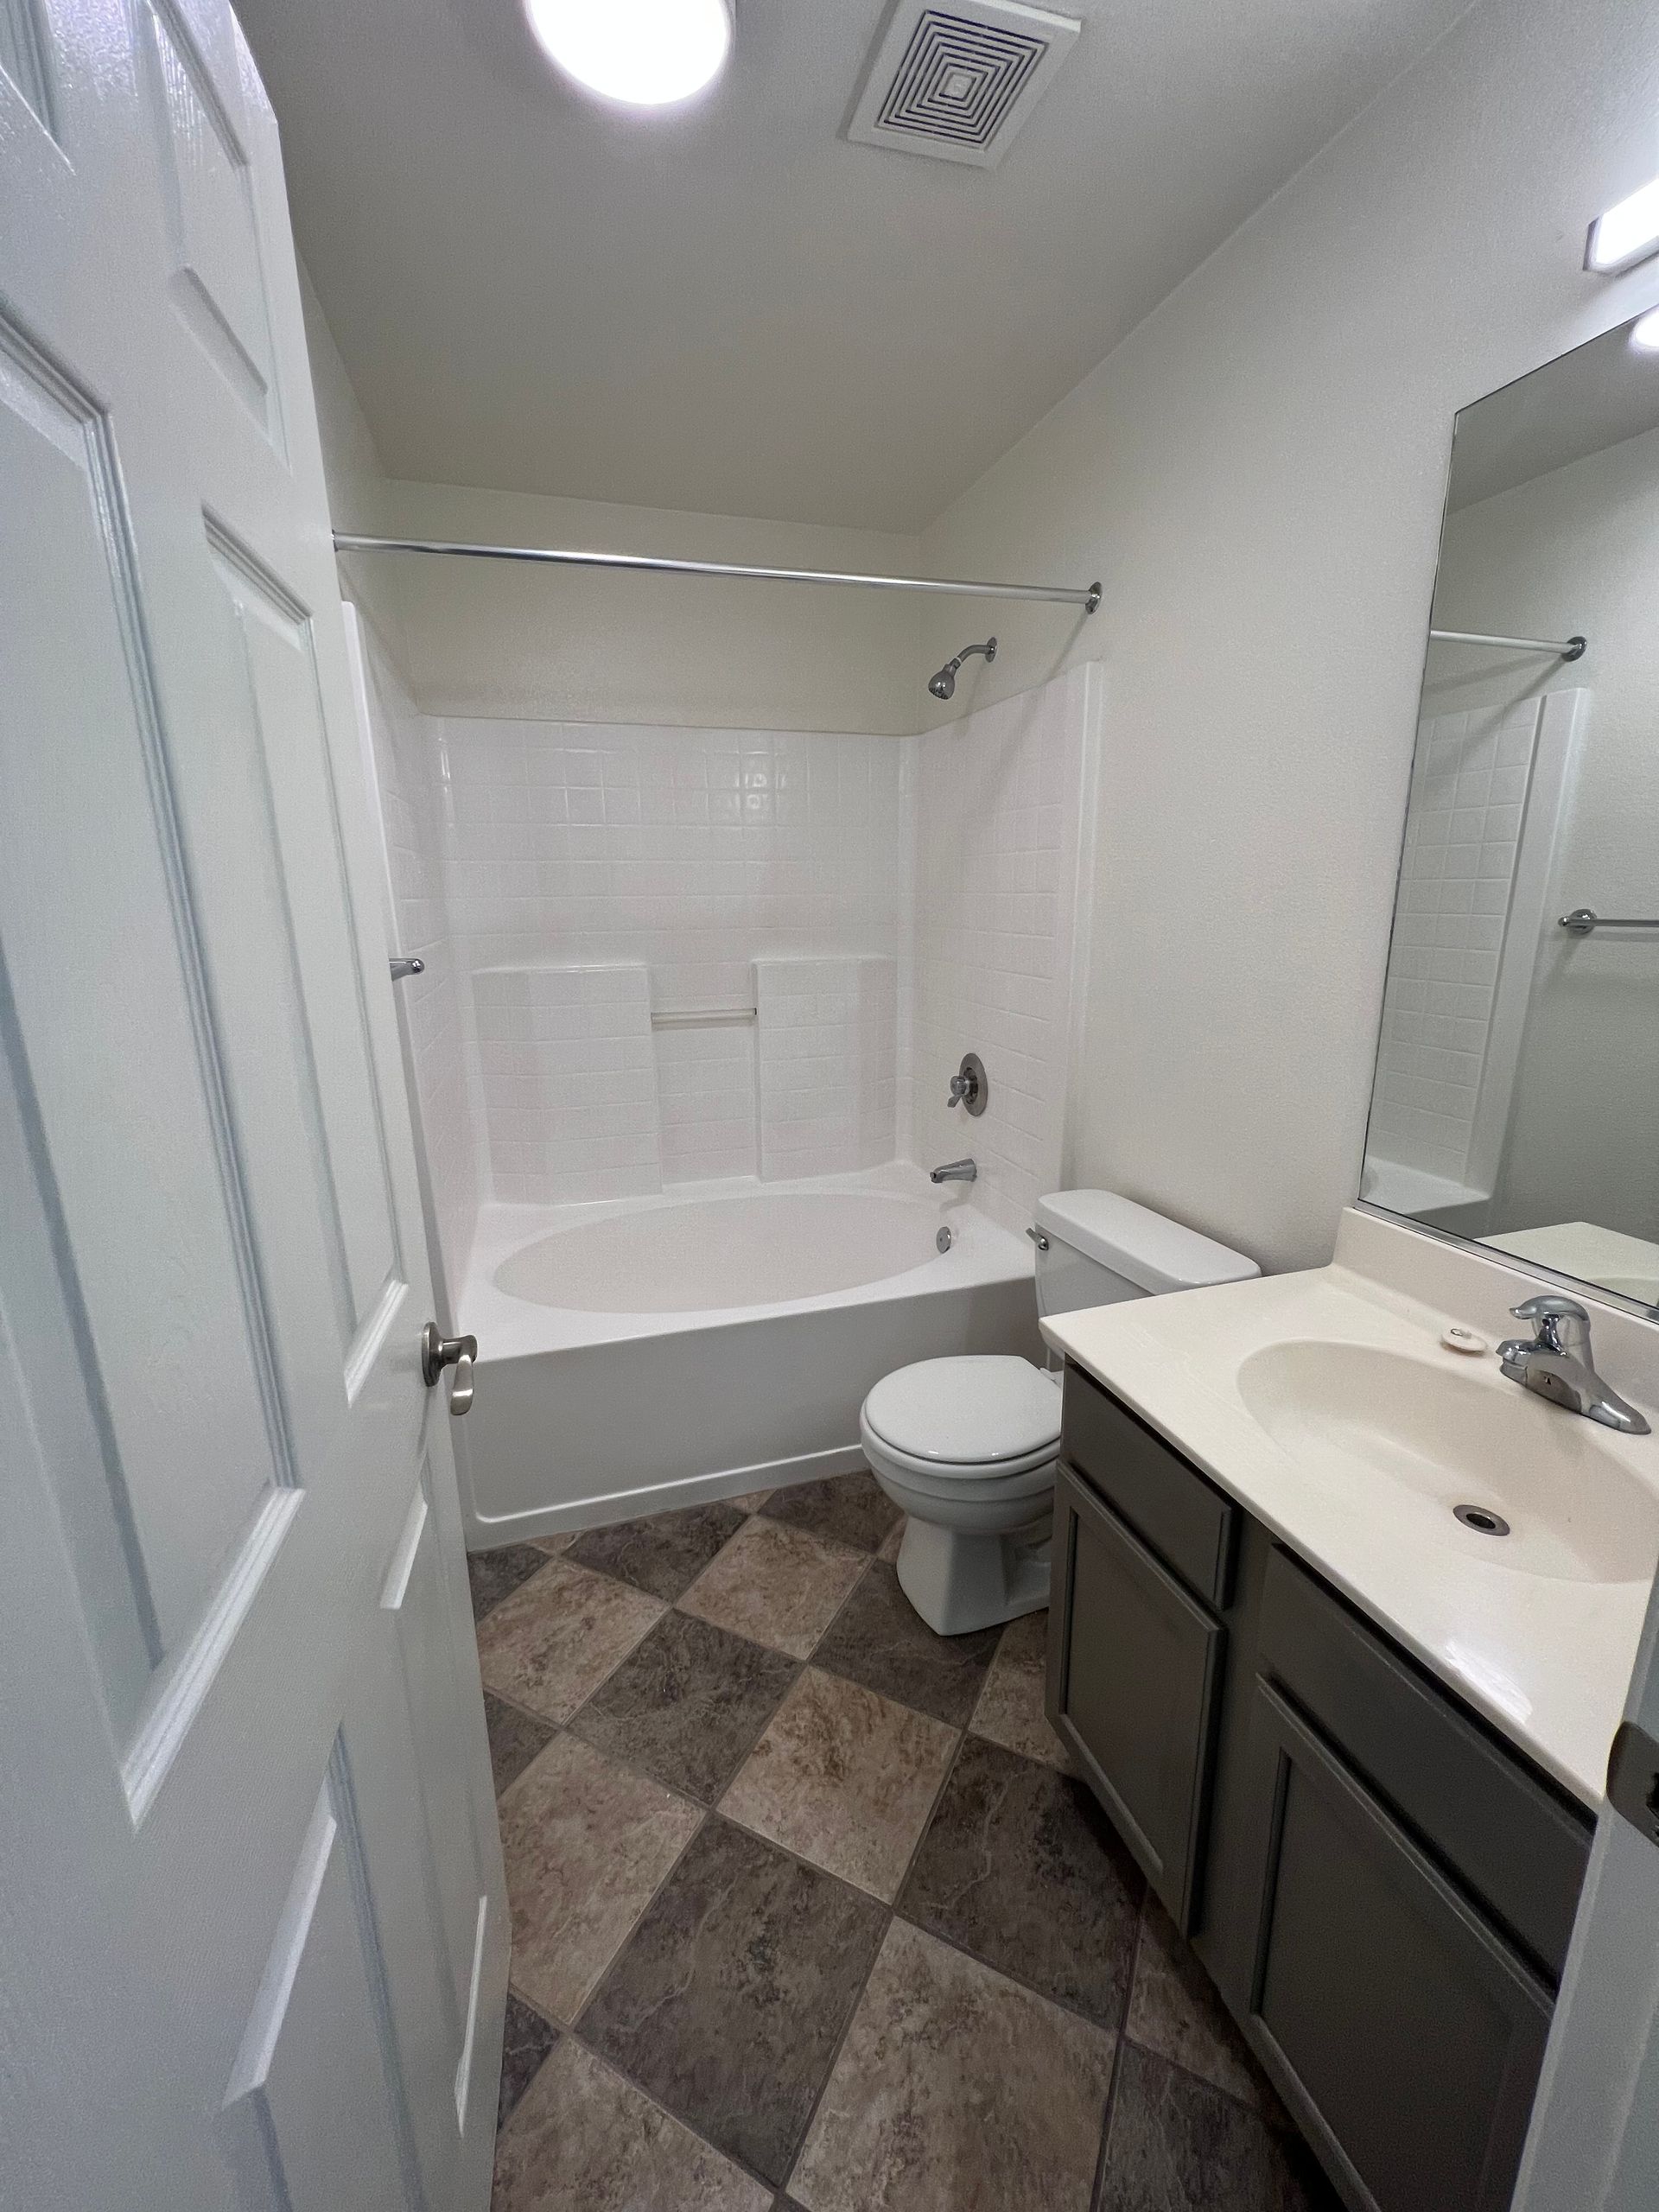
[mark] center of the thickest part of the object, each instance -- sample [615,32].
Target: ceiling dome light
[1645,333]
[642,53]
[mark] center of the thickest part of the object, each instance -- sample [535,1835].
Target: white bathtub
[651,1352]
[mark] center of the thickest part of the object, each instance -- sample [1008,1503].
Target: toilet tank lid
[1145,1248]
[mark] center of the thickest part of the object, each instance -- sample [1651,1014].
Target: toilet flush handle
[1037,1239]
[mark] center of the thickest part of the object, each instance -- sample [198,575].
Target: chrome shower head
[944,685]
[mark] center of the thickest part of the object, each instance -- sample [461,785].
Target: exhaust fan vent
[958,82]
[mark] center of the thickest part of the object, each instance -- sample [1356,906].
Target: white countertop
[1546,1659]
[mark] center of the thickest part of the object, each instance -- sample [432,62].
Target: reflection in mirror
[1517,1098]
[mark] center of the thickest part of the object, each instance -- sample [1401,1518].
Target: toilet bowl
[967,1448]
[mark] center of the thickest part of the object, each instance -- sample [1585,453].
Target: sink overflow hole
[1483,1519]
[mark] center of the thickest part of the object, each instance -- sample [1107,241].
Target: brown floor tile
[526,2043]
[848,1509]
[551,1643]
[729,1998]
[956,2091]
[1019,1866]
[560,1543]
[662,1553]
[891,1542]
[1010,1708]
[880,1639]
[687,1704]
[584,2141]
[776,1585]
[515,1738]
[586,1843]
[495,1575]
[752,1500]
[1176,2010]
[1177,2144]
[845,1778]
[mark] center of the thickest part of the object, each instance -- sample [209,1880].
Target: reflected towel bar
[1584,921]
[1569,648]
[1086,596]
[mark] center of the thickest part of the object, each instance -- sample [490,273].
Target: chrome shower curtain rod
[1569,648]
[1087,597]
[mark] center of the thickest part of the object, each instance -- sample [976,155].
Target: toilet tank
[1094,1249]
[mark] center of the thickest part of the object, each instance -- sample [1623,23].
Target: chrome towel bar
[1584,921]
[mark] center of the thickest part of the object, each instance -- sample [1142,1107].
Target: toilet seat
[965,1420]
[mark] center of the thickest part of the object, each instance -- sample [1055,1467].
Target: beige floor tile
[845,1778]
[956,2091]
[1174,2009]
[776,1585]
[551,1643]
[752,1500]
[891,1542]
[583,2139]
[1010,1708]
[587,1843]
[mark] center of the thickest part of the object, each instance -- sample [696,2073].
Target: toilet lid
[969,1412]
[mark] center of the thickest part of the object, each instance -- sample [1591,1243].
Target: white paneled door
[252,1934]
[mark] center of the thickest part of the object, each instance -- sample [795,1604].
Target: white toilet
[968,1447]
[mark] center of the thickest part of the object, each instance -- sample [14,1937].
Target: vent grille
[958,82]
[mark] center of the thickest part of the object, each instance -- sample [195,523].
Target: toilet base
[959,1580]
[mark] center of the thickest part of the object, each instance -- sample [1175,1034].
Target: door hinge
[1633,1779]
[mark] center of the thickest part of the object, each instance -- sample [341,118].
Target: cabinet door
[1401,2030]
[1132,1680]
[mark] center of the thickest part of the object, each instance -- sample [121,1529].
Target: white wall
[1577,549]
[1257,474]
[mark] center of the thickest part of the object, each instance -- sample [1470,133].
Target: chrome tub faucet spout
[1558,1366]
[954,1170]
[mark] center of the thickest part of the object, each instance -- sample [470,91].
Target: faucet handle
[1549,1306]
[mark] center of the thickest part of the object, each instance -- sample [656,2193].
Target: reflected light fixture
[1644,332]
[1626,234]
[638,53]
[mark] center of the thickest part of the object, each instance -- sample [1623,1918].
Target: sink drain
[1481,1519]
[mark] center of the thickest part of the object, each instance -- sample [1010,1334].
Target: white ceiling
[732,308]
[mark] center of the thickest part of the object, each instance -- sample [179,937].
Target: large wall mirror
[1517,1098]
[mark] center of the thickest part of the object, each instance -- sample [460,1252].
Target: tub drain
[1481,1519]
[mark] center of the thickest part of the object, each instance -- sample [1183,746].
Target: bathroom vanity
[1358,1757]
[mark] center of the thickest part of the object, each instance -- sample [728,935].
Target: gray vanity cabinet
[1403,2033]
[1382,1888]
[1132,1681]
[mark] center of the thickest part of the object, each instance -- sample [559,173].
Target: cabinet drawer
[1401,2030]
[1520,1848]
[1132,1685]
[1185,1519]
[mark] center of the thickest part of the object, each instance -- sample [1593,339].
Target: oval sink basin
[1438,1438]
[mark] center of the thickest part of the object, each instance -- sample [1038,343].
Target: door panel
[311,2111]
[252,1929]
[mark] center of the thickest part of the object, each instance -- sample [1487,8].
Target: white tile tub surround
[994,956]
[695,851]
[706,1099]
[569,1082]
[410,790]
[827,1041]
[1488,788]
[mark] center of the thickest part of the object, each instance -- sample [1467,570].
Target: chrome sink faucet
[1558,1366]
[954,1170]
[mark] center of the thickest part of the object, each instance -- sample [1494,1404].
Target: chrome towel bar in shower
[1584,921]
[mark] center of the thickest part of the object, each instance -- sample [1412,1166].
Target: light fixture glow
[642,53]
[1626,234]
[1644,332]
